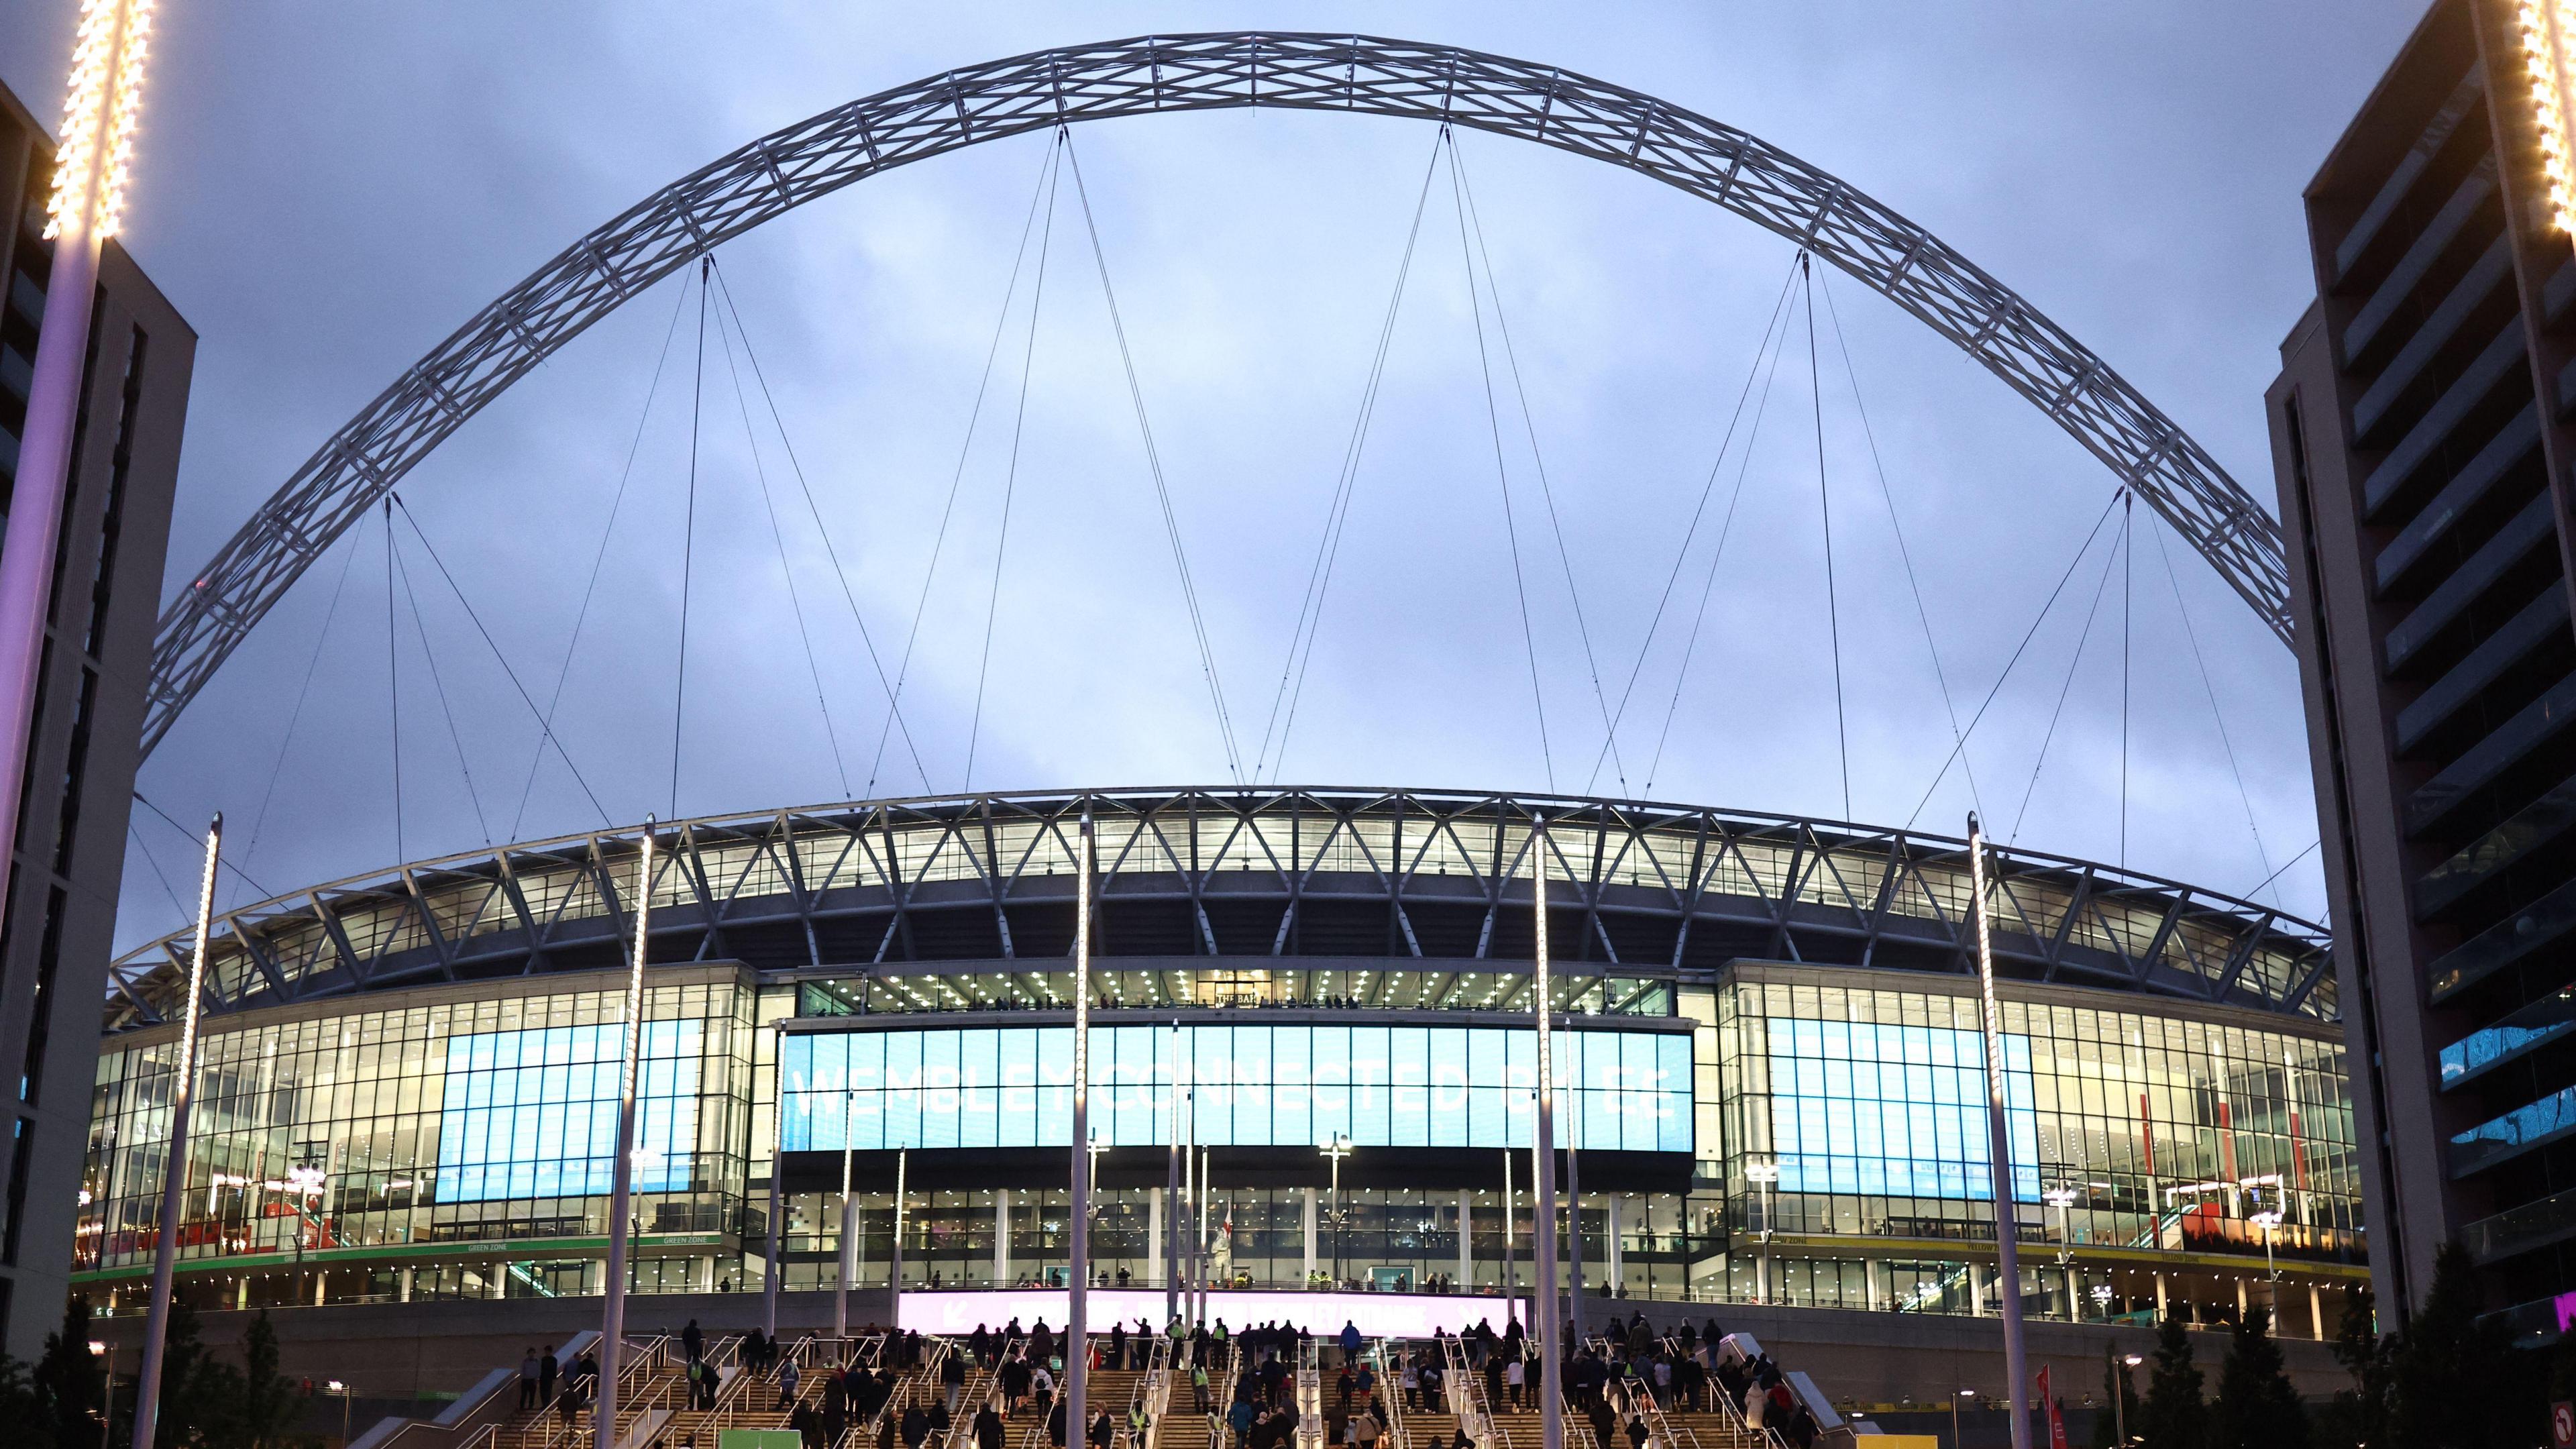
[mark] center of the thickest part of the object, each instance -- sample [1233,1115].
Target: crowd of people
[1243,1381]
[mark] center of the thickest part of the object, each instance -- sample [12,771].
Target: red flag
[2056,1421]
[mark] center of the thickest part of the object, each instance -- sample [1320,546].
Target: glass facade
[1852,1116]
[1817,1134]
[1249,1086]
[398,1141]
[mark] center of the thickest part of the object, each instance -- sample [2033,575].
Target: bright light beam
[2548,32]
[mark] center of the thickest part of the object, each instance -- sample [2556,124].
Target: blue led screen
[534,1113]
[1255,1086]
[1898,1111]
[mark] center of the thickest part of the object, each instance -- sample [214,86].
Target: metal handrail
[1733,1410]
[1389,1394]
[642,1356]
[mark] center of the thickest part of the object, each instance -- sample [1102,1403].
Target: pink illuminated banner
[1379,1315]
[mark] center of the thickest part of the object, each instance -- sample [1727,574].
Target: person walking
[546,1371]
[1350,1340]
[788,1376]
[528,1381]
[952,1377]
[692,1340]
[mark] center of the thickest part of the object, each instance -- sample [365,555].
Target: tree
[20,1404]
[2256,1407]
[2456,1382]
[67,1379]
[2119,1388]
[2359,1415]
[2173,1416]
[267,1399]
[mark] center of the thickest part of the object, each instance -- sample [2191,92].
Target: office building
[57,929]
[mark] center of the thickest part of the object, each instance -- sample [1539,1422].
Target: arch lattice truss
[1148,75]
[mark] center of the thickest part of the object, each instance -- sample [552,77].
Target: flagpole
[174,1172]
[1999,1150]
[1077,1357]
[622,1170]
[1543,1164]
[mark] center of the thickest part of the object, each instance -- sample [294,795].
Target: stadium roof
[1291,874]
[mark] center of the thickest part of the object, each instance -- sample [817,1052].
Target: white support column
[1002,1236]
[1153,1236]
[1977,1289]
[1307,1222]
[1618,1260]
[406,1285]
[2241,1305]
[1466,1244]
[2316,1313]
[1869,1271]
[2162,1312]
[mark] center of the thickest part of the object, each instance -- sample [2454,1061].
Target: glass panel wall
[1847,1109]
[411,1126]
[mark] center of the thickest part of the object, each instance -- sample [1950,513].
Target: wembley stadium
[1769,1065]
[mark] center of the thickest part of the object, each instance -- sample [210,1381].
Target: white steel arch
[1146,75]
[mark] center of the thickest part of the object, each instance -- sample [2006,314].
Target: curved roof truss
[1152,74]
[1428,877]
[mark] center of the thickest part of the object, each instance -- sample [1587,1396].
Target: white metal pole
[1999,1151]
[101,113]
[1168,1248]
[1511,1243]
[849,1221]
[174,1173]
[622,1170]
[894,1259]
[1077,1357]
[773,1271]
[1543,1163]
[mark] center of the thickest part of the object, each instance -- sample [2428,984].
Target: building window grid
[2221,1103]
[369,1087]
[359,1099]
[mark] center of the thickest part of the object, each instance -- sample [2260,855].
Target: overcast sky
[326,191]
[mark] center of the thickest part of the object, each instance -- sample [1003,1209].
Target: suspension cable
[1681,555]
[814,510]
[2243,796]
[1775,341]
[2083,639]
[956,478]
[1825,500]
[598,558]
[689,537]
[135,832]
[1154,465]
[545,727]
[1904,553]
[1538,460]
[393,678]
[2276,875]
[1960,749]
[439,686]
[259,817]
[244,876]
[1503,481]
[1011,474]
[1319,574]
[787,570]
